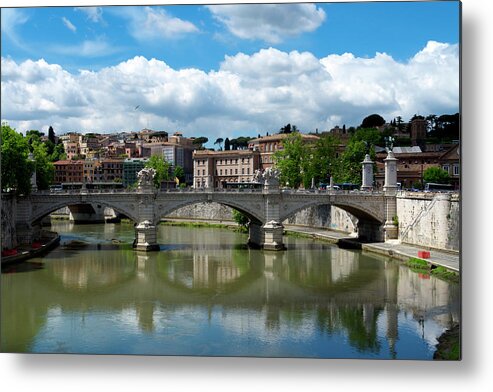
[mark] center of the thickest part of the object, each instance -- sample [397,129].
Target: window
[446,168]
[236,171]
[456,170]
[248,170]
[221,172]
[242,171]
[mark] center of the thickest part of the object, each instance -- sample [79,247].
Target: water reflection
[206,294]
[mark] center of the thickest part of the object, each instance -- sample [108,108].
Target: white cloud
[68,24]
[11,19]
[248,94]
[147,23]
[272,23]
[94,14]
[88,48]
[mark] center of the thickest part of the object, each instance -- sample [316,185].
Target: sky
[227,70]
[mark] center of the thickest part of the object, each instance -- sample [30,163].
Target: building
[112,170]
[411,164]
[268,145]
[214,169]
[178,151]
[418,130]
[450,162]
[130,169]
[89,169]
[150,136]
[68,171]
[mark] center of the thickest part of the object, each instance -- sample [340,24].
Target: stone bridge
[266,208]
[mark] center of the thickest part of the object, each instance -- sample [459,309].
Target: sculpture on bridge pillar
[146,179]
[271,179]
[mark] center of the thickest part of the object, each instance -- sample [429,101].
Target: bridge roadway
[266,208]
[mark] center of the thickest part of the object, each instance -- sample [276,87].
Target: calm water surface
[205,293]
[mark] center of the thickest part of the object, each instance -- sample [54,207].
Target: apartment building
[68,171]
[215,169]
[268,145]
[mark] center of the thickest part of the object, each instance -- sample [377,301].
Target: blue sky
[254,43]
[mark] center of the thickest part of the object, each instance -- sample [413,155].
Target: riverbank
[48,241]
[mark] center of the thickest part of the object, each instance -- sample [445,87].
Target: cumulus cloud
[248,94]
[68,24]
[271,23]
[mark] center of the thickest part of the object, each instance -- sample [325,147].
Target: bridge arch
[52,207]
[359,211]
[254,215]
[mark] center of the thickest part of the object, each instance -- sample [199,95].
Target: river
[206,293]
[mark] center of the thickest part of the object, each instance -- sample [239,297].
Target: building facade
[130,169]
[68,171]
[216,169]
[268,145]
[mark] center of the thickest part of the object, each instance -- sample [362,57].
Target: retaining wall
[429,219]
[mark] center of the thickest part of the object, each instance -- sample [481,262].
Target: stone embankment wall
[429,219]
[8,221]
[323,216]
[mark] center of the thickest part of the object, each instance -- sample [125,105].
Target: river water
[206,293]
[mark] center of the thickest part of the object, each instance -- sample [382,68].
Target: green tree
[293,161]
[58,153]
[241,219]
[16,169]
[324,158]
[179,173]
[348,168]
[45,170]
[200,141]
[219,141]
[161,166]
[372,121]
[51,135]
[227,145]
[436,175]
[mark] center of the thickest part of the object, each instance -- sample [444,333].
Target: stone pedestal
[273,232]
[390,189]
[390,184]
[255,235]
[146,237]
[367,182]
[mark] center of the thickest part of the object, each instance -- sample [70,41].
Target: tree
[293,161]
[241,219]
[51,135]
[16,169]
[58,153]
[179,173]
[348,167]
[227,145]
[324,158]
[161,166]
[436,175]
[219,141]
[372,121]
[45,170]
[200,141]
